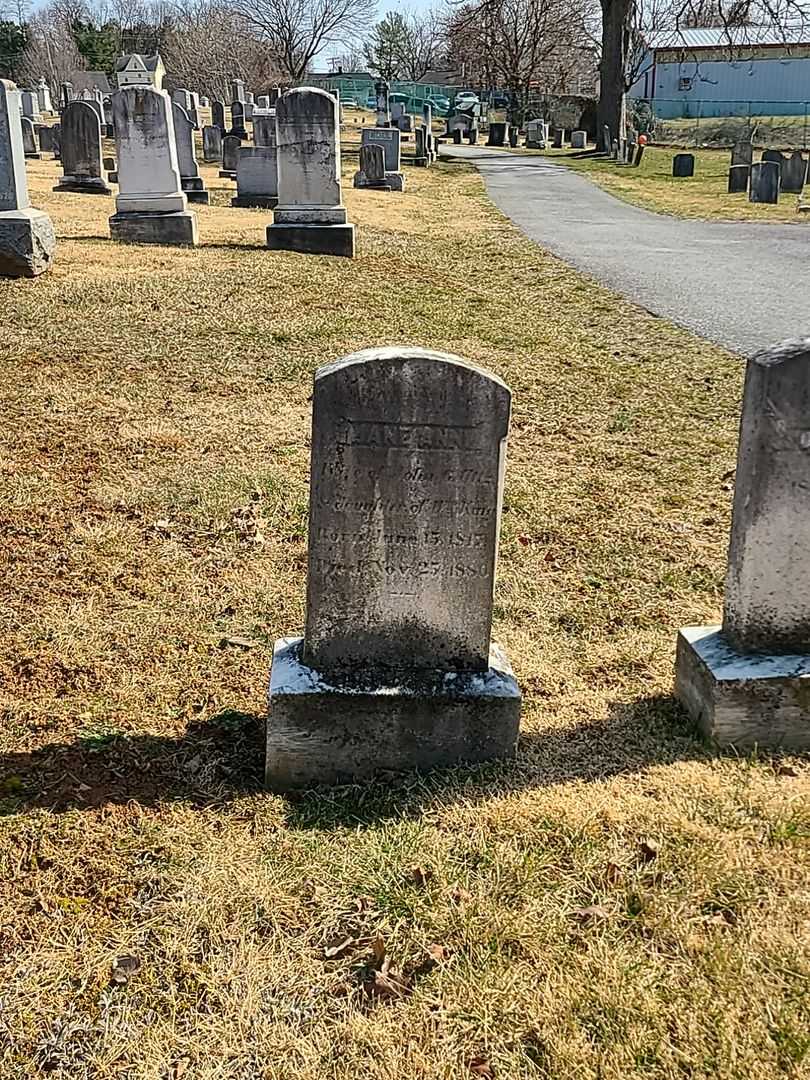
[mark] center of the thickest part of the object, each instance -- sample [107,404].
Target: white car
[466,99]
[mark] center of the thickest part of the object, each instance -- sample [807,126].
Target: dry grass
[619,903]
[704,195]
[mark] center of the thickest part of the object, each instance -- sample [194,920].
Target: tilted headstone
[264,130]
[742,153]
[256,177]
[238,129]
[30,147]
[746,682]
[310,216]
[27,239]
[396,669]
[212,143]
[190,180]
[151,205]
[579,140]
[738,176]
[372,168]
[218,116]
[230,157]
[44,135]
[764,182]
[82,163]
[683,165]
[794,173]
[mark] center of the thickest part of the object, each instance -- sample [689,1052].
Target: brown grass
[618,903]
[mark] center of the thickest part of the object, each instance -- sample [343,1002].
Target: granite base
[27,243]
[92,185]
[177,229]
[322,733]
[743,699]
[262,202]
[312,239]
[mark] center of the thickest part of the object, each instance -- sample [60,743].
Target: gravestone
[212,143]
[230,157]
[263,101]
[218,116]
[396,669]
[27,239]
[65,94]
[683,165]
[615,150]
[390,141]
[151,206]
[256,177]
[275,94]
[405,123]
[639,154]
[238,90]
[56,141]
[30,148]
[249,98]
[458,136]
[182,98]
[44,97]
[458,122]
[558,138]
[514,135]
[420,150]
[397,112]
[776,156]
[742,153]
[190,180]
[427,120]
[382,92]
[30,105]
[472,134]
[45,138]
[249,110]
[498,134]
[372,168]
[738,176]
[764,182]
[579,140]
[238,129]
[794,173]
[607,141]
[82,165]
[745,682]
[310,216]
[536,134]
[264,130]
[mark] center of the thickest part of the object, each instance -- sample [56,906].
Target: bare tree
[421,43]
[50,52]
[297,30]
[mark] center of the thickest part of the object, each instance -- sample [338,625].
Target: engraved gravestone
[212,143]
[396,668]
[746,682]
[794,173]
[742,153]
[230,156]
[764,182]
[218,115]
[81,151]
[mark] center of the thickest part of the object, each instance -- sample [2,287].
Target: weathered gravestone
[607,141]
[397,112]
[29,104]
[742,153]
[746,682]
[390,141]
[427,120]
[256,177]
[264,130]
[794,173]
[764,182]
[458,122]
[151,205]
[382,92]
[776,156]
[310,216]
[536,134]
[396,669]
[498,134]
[372,168]
[263,101]
[683,165]
[65,94]
[45,138]
[230,157]
[27,239]
[558,138]
[238,90]
[190,180]
[238,129]
[44,96]
[579,140]
[212,143]
[82,165]
[639,154]
[420,149]
[738,176]
[30,148]
[218,116]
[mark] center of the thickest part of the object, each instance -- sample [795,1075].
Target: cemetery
[405,636]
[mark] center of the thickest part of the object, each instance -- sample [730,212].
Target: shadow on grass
[221,760]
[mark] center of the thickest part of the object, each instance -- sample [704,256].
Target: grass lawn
[618,903]
[704,195]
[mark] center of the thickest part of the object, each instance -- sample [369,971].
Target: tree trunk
[613,66]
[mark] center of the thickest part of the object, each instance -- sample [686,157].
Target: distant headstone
[382,92]
[151,206]
[310,216]
[776,156]
[230,156]
[396,669]
[256,177]
[683,165]
[746,682]
[65,94]
[397,112]
[218,115]
[421,153]
[458,122]
[238,129]
[238,91]
[738,178]
[794,173]
[536,134]
[742,153]
[82,163]
[30,147]
[30,105]
[558,138]
[607,141]
[427,119]
[372,168]
[190,180]
[264,130]
[44,136]
[498,134]
[263,101]
[44,96]
[390,140]
[764,182]
[212,143]
[579,140]
[27,239]
[639,154]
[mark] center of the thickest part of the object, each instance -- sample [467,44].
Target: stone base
[226,174]
[27,243]
[743,699]
[319,733]
[420,162]
[359,181]
[263,202]
[201,198]
[312,239]
[91,185]
[178,229]
[194,189]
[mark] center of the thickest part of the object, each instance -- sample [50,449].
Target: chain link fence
[775,125]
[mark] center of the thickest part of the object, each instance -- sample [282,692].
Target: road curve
[744,286]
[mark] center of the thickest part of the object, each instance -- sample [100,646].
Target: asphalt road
[744,286]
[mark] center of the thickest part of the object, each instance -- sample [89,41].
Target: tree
[420,44]
[385,46]
[13,39]
[99,45]
[295,31]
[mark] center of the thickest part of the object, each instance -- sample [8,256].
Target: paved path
[744,286]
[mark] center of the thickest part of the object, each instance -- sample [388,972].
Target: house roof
[719,37]
[96,78]
[436,77]
[149,62]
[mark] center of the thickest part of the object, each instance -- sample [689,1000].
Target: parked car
[466,99]
[371,101]
[501,99]
[440,105]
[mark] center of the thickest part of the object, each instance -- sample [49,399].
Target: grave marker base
[89,185]
[27,243]
[312,239]
[264,202]
[178,228]
[743,699]
[321,733]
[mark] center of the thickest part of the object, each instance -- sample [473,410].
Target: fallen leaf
[613,873]
[647,851]
[179,1068]
[438,953]
[420,875]
[590,914]
[460,895]
[238,642]
[387,984]
[786,770]
[123,969]
[524,540]
[481,1066]
[339,947]
[378,952]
